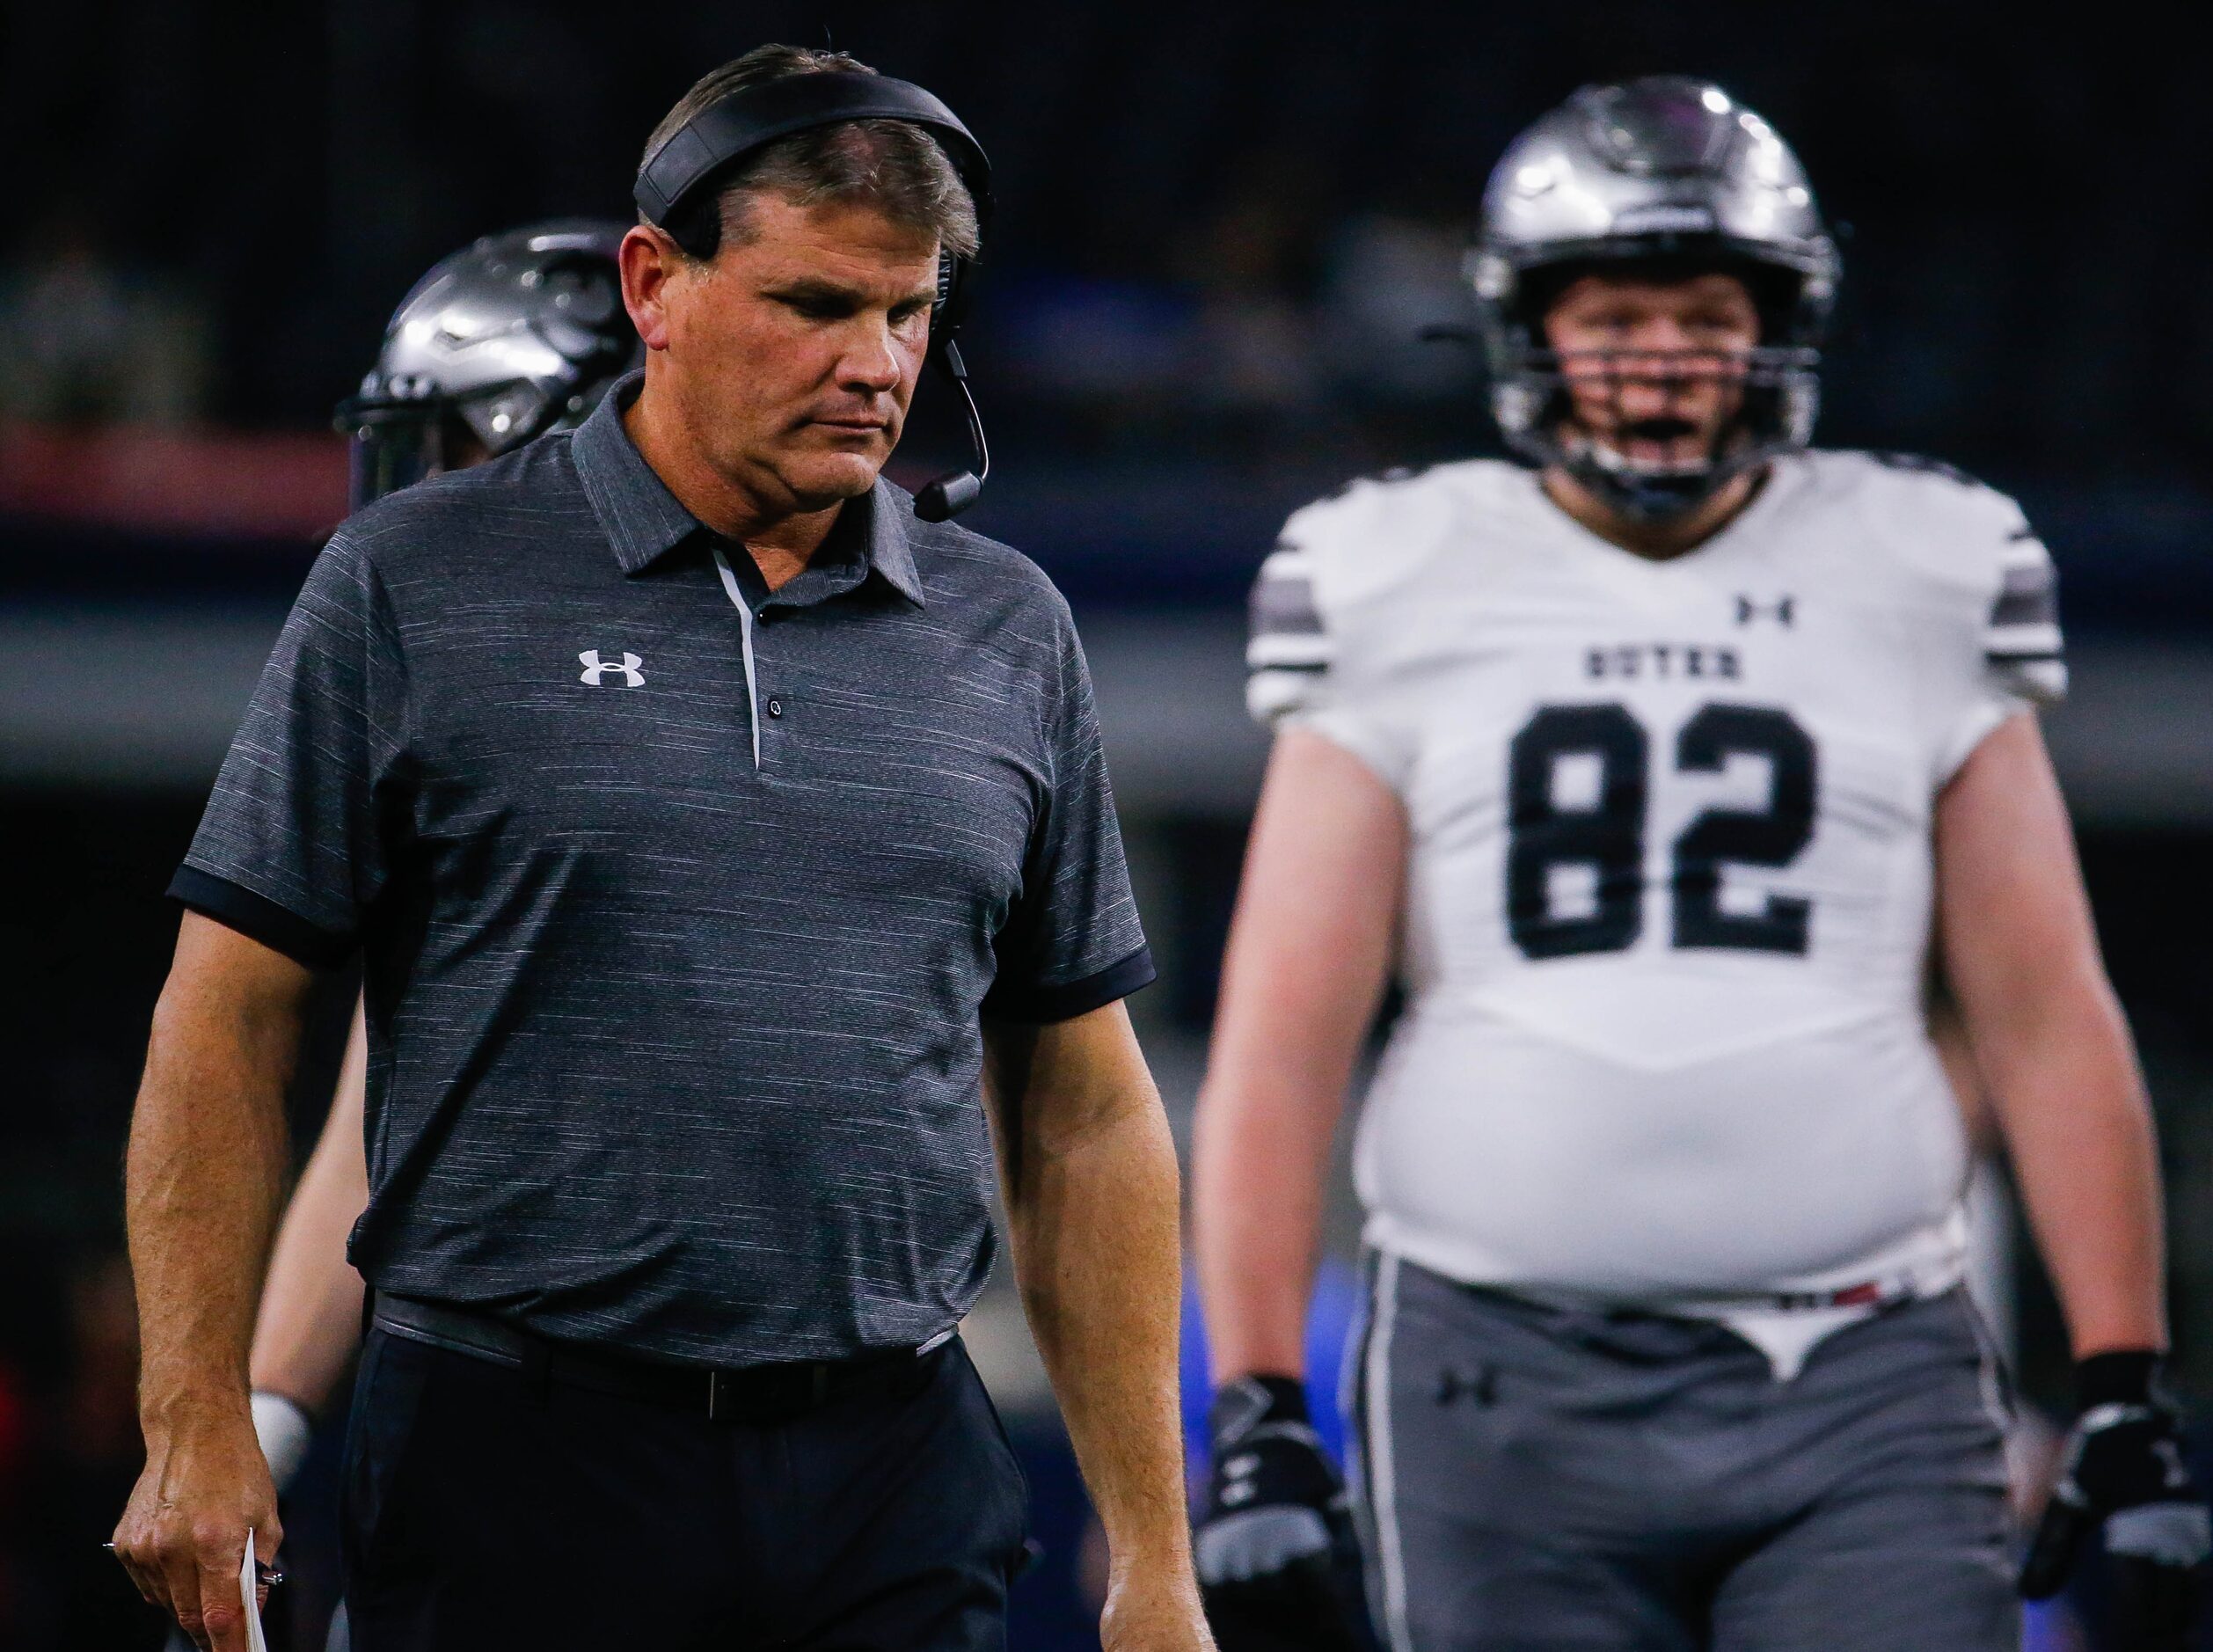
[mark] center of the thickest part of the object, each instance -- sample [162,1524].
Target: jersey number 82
[1608,839]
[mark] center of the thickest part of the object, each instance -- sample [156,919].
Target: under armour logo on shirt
[1782,609]
[596,671]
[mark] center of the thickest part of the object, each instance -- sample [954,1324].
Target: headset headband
[754,116]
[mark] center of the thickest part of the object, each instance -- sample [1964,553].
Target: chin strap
[1651,498]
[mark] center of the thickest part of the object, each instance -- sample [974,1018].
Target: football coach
[730,859]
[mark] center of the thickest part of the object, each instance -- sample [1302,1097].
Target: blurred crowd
[1217,232]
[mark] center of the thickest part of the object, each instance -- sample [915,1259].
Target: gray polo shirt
[678,901]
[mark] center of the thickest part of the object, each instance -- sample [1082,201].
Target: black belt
[775,1392]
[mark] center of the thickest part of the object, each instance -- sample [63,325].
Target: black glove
[2123,1468]
[1279,1567]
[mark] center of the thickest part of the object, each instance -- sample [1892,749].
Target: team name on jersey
[1662,662]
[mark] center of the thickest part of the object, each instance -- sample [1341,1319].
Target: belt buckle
[770,1394]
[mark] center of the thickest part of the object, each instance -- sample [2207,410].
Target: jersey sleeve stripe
[1269,694]
[1289,651]
[2022,639]
[1283,605]
[2026,608]
[2022,642]
[2028,594]
[1297,652]
[2041,682]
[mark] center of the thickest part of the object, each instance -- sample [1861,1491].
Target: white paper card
[255,1640]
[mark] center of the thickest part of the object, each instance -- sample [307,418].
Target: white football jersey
[1667,918]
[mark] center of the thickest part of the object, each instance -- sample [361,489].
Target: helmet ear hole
[1777,294]
[1541,288]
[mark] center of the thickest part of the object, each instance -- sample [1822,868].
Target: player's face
[1655,369]
[792,355]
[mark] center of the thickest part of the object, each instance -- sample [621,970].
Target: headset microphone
[955,492]
[675,175]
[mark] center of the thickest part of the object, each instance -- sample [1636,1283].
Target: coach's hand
[183,1534]
[1278,1565]
[2123,1469]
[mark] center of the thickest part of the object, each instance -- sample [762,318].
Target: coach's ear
[649,258]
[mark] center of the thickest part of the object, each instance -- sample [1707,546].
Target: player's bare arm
[1308,954]
[202,1183]
[2047,1035]
[1308,951]
[310,1316]
[1088,1170]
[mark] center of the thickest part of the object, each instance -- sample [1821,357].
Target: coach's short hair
[895,166]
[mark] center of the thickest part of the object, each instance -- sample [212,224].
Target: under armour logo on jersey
[595,670]
[1783,610]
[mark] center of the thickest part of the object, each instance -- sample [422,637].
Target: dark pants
[482,1510]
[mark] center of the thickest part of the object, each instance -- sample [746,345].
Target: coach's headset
[732,128]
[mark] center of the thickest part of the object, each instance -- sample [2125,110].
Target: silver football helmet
[511,337]
[1667,169]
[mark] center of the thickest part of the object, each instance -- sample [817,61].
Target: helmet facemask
[1661,179]
[1572,410]
[395,444]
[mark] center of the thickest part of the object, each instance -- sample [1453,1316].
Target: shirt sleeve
[290,850]
[1301,672]
[1072,942]
[2021,662]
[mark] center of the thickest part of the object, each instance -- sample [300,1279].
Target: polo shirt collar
[888,550]
[644,521]
[640,517]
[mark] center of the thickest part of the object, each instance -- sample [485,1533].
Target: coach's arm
[1088,1170]
[2021,957]
[203,1185]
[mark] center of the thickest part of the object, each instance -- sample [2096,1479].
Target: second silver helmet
[513,336]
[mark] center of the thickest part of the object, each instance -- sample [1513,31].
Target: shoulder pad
[1375,532]
[1921,464]
[1974,545]
[1936,520]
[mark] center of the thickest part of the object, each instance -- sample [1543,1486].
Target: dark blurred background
[1220,230]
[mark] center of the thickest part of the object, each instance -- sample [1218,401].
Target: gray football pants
[1543,1479]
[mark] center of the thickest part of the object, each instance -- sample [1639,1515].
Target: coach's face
[788,359]
[1655,369]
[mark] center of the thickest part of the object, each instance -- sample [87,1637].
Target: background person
[682,972]
[514,335]
[1656,774]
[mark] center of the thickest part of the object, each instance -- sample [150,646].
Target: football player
[1666,772]
[514,336]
